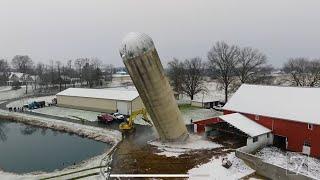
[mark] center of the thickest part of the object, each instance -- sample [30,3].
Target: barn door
[280,142]
[306,148]
[122,107]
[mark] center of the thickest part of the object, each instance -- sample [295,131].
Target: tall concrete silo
[143,63]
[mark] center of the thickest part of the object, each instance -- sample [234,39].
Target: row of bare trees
[235,65]
[303,71]
[83,71]
[230,64]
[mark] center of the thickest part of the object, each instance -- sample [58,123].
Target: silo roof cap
[135,44]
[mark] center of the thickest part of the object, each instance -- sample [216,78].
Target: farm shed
[204,104]
[292,114]
[101,100]
[236,128]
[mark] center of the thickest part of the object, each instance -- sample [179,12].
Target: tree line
[81,71]
[232,65]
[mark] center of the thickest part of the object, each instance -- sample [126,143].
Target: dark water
[25,148]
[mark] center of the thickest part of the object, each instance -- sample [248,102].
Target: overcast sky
[67,29]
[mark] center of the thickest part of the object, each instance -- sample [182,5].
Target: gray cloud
[67,29]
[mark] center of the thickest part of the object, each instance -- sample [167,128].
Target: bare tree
[187,76]
[250,63]
[59,75]
[4,71]
[176,75]
[303,72]
[193,79]
[79,64]
[224,58]
[108,71]
[22,64]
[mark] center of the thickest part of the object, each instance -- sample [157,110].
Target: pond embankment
[105,135]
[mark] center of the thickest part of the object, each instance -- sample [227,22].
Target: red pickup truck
[105,118]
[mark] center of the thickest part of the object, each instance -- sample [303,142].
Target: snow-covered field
[21,102]
[68,113]
[213,93]
[195,142]
[7,93]
[5,88]
[4,95]
[291,160]
[215,170]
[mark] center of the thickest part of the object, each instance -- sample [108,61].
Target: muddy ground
[135,156]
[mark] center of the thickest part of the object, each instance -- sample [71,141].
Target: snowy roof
[290,103]
[114,94]
[245,124]
[135,44]
[17,74]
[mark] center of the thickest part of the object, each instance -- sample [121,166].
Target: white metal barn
[101,100]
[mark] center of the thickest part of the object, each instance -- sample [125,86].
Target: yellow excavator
[128,127]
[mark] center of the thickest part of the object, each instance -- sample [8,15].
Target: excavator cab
[128,126]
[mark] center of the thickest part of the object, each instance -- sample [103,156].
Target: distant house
[291,113]
[23,78]
[205,103]
[101,100]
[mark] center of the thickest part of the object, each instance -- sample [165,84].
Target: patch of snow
[291,160]
[213,93]
[215,170]
[5,88]
[194,142]
[5,95]
[122,88]
[11,94]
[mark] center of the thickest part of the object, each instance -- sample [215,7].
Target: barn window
[310,126]
[257,117]
[255,139]
[268,135]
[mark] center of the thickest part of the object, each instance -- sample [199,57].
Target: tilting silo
[143,63]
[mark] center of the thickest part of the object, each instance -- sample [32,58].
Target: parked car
[117,116]
[105,118]
[34,105]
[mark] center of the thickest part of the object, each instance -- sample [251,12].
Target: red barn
[291,113]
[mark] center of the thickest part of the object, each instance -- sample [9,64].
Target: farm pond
[25,148]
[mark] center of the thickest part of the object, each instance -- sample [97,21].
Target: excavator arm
[129,125]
